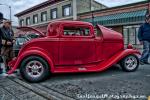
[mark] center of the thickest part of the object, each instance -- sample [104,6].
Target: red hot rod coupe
[73,46]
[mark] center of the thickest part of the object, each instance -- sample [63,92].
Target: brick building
[40,15]
[125,19]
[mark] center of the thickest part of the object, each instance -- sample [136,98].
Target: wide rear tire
[34,69]
[130,63]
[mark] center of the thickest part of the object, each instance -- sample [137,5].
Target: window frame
[135,30]
[63,10]
[36,15]
[22,22]
[28,18]
[42,13]
[53,10]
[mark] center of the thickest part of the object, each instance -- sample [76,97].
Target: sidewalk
[14,88]
[10,90]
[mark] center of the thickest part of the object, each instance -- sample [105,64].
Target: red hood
[26,28]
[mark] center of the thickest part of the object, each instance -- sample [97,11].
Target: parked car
[18,44]
[21,39]
[73,46]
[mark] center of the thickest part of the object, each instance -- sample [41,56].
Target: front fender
[31,51]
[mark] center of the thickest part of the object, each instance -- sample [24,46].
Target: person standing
[1,60]
[7,40]
[144,38]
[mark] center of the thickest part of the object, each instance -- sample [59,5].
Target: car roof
[53,26]
[69,22]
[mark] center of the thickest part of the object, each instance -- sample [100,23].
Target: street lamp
[92,11]
[92,17]
[9,9]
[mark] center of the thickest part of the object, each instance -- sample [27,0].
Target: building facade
[125,19]
[40,15]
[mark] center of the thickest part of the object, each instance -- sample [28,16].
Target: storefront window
[137,41]
[130,34]
[125,35]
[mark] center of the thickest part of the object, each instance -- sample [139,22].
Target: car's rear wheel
[34,69]
[130,63]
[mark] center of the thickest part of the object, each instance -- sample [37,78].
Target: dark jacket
[6,34]
[144,32]
[0,40]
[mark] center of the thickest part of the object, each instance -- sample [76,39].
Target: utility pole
[74,10]
[92,11]
[9,9]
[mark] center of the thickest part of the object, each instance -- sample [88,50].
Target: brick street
[69,86]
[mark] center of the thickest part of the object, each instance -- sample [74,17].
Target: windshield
[21,40]
[33,36]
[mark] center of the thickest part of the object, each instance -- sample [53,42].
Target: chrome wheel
[131,62]
[34,69]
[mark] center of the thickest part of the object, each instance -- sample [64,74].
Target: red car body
[75,53]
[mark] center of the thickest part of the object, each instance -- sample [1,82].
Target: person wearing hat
[144,38]
[2,67]
[7,40]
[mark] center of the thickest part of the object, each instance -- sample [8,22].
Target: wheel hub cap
[131,62]
[34,68]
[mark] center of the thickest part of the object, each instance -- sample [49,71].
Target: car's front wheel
[130,63]
[34,69]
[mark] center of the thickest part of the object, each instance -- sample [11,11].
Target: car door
[77,46]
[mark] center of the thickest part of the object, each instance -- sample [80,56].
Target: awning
[120,18]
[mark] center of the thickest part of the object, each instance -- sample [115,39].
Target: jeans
[2,66]
[146,51]
[7,54]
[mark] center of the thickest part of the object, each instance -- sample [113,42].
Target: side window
[97,32]
[76,31]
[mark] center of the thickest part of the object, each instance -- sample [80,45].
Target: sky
[112,3]
[20,5]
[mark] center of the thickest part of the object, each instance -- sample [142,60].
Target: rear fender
[116,58]
[125,53]
[29,52]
